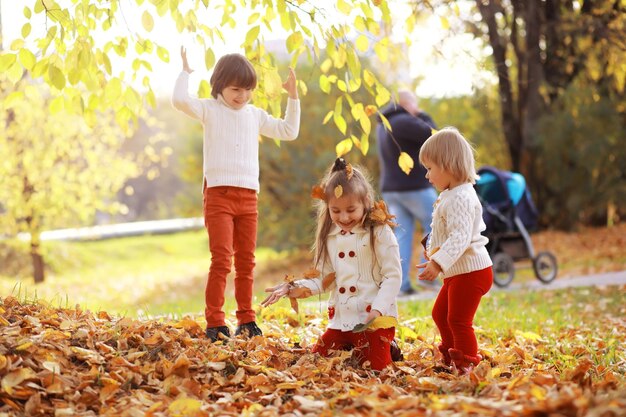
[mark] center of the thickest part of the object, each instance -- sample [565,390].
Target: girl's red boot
[447,360]
[464,363]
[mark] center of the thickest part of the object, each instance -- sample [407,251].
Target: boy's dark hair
[232,69]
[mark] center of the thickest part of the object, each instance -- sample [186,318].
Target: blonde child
[455,249]
[354,243]
[231,178]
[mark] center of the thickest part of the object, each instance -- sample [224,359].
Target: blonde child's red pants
[371,346]
[230,217]
[456,306]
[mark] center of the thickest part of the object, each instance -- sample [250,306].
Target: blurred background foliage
[564,130]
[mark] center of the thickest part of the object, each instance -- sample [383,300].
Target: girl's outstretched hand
[430,272]
[290,85]
[372,315]
[183,55]
[277,292]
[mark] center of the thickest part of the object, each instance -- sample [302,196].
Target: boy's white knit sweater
[456,226]
[231,137]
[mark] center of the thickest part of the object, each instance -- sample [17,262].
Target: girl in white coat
[357,254]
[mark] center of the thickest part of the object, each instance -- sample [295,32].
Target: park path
[604,279]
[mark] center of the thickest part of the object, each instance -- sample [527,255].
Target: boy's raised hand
[290,85]
[183,55]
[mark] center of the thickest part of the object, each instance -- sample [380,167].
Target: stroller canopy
[493,191]
[505,193]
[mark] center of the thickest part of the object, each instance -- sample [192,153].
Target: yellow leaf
[343,147]
[340,122]
[272,83]
[56,77]
[15,378]
[163,53]
[343,7]
[185,407]
[26,30]
[24,346]
[147,21]
[209,58]
[362,43]
[406,162]
[294,41]
[383,322]
[445,24]
[290,385]
[252,35]
[338,191]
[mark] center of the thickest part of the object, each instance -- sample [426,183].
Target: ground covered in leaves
[68,362]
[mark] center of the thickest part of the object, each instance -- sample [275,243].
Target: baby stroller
[509,213]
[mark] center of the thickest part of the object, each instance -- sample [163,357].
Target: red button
[342,255]
[353,289]
[368,308]
[342,290]
[352,254]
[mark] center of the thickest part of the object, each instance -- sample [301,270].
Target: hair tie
[340,165]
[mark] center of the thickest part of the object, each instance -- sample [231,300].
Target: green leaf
[57,78]
[27,13]
[147,21]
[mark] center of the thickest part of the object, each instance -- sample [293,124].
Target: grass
[135,276]
[166,274]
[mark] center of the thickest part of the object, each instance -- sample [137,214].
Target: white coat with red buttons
[363,282]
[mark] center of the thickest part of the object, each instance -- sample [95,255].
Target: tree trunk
[533,105]
[37,258]
[510,120]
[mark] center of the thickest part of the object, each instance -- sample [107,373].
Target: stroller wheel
[545,267]
[503,269]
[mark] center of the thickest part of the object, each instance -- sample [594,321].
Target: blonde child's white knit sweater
[231,137]
[456,226]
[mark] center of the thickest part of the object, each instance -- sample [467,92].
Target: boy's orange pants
[230,217]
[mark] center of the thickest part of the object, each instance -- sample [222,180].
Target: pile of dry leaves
[68,362]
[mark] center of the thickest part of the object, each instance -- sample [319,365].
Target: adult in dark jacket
[409,197]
